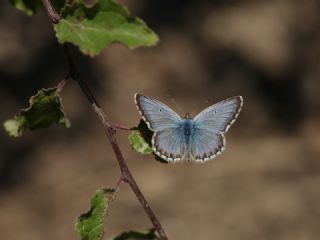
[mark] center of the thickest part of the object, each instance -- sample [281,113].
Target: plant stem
[61,84]
[120,126]
[126,175]
[54,16]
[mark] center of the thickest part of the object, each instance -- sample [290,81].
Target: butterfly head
[187,116]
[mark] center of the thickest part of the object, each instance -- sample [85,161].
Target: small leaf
[90,224]
[29,7]
[95,26]
[137,235]
[12,126]
[45,109]
[138,143]
[140,140]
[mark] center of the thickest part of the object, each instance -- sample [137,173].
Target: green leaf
[140,140]
[138,143]
[45,109]
[137,235]
[94,27]
[30,7]
[90,224]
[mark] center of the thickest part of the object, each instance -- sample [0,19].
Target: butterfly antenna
[176,104]
[193,113]
[208,101]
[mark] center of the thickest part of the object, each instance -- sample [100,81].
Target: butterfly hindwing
[157,115]
[206,145]
[169,144]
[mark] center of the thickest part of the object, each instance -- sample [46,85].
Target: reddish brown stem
[54,16]
[61,84]
[126,175]
[120,126]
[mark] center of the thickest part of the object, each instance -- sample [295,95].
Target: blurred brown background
[265,186]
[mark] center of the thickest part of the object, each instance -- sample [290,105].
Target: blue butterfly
[196,139]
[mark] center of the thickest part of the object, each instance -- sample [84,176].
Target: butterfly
[196,139]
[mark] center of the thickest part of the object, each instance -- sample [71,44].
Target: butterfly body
[187,128]
[190,139]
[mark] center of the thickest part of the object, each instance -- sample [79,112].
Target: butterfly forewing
[157,115]
[220,116]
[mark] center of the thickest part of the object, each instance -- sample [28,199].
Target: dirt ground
[266,184]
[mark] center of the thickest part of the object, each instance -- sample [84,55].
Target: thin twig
[61,84]
[120,126]
[117,186]
[54,16]
[116,189]
[126,175]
